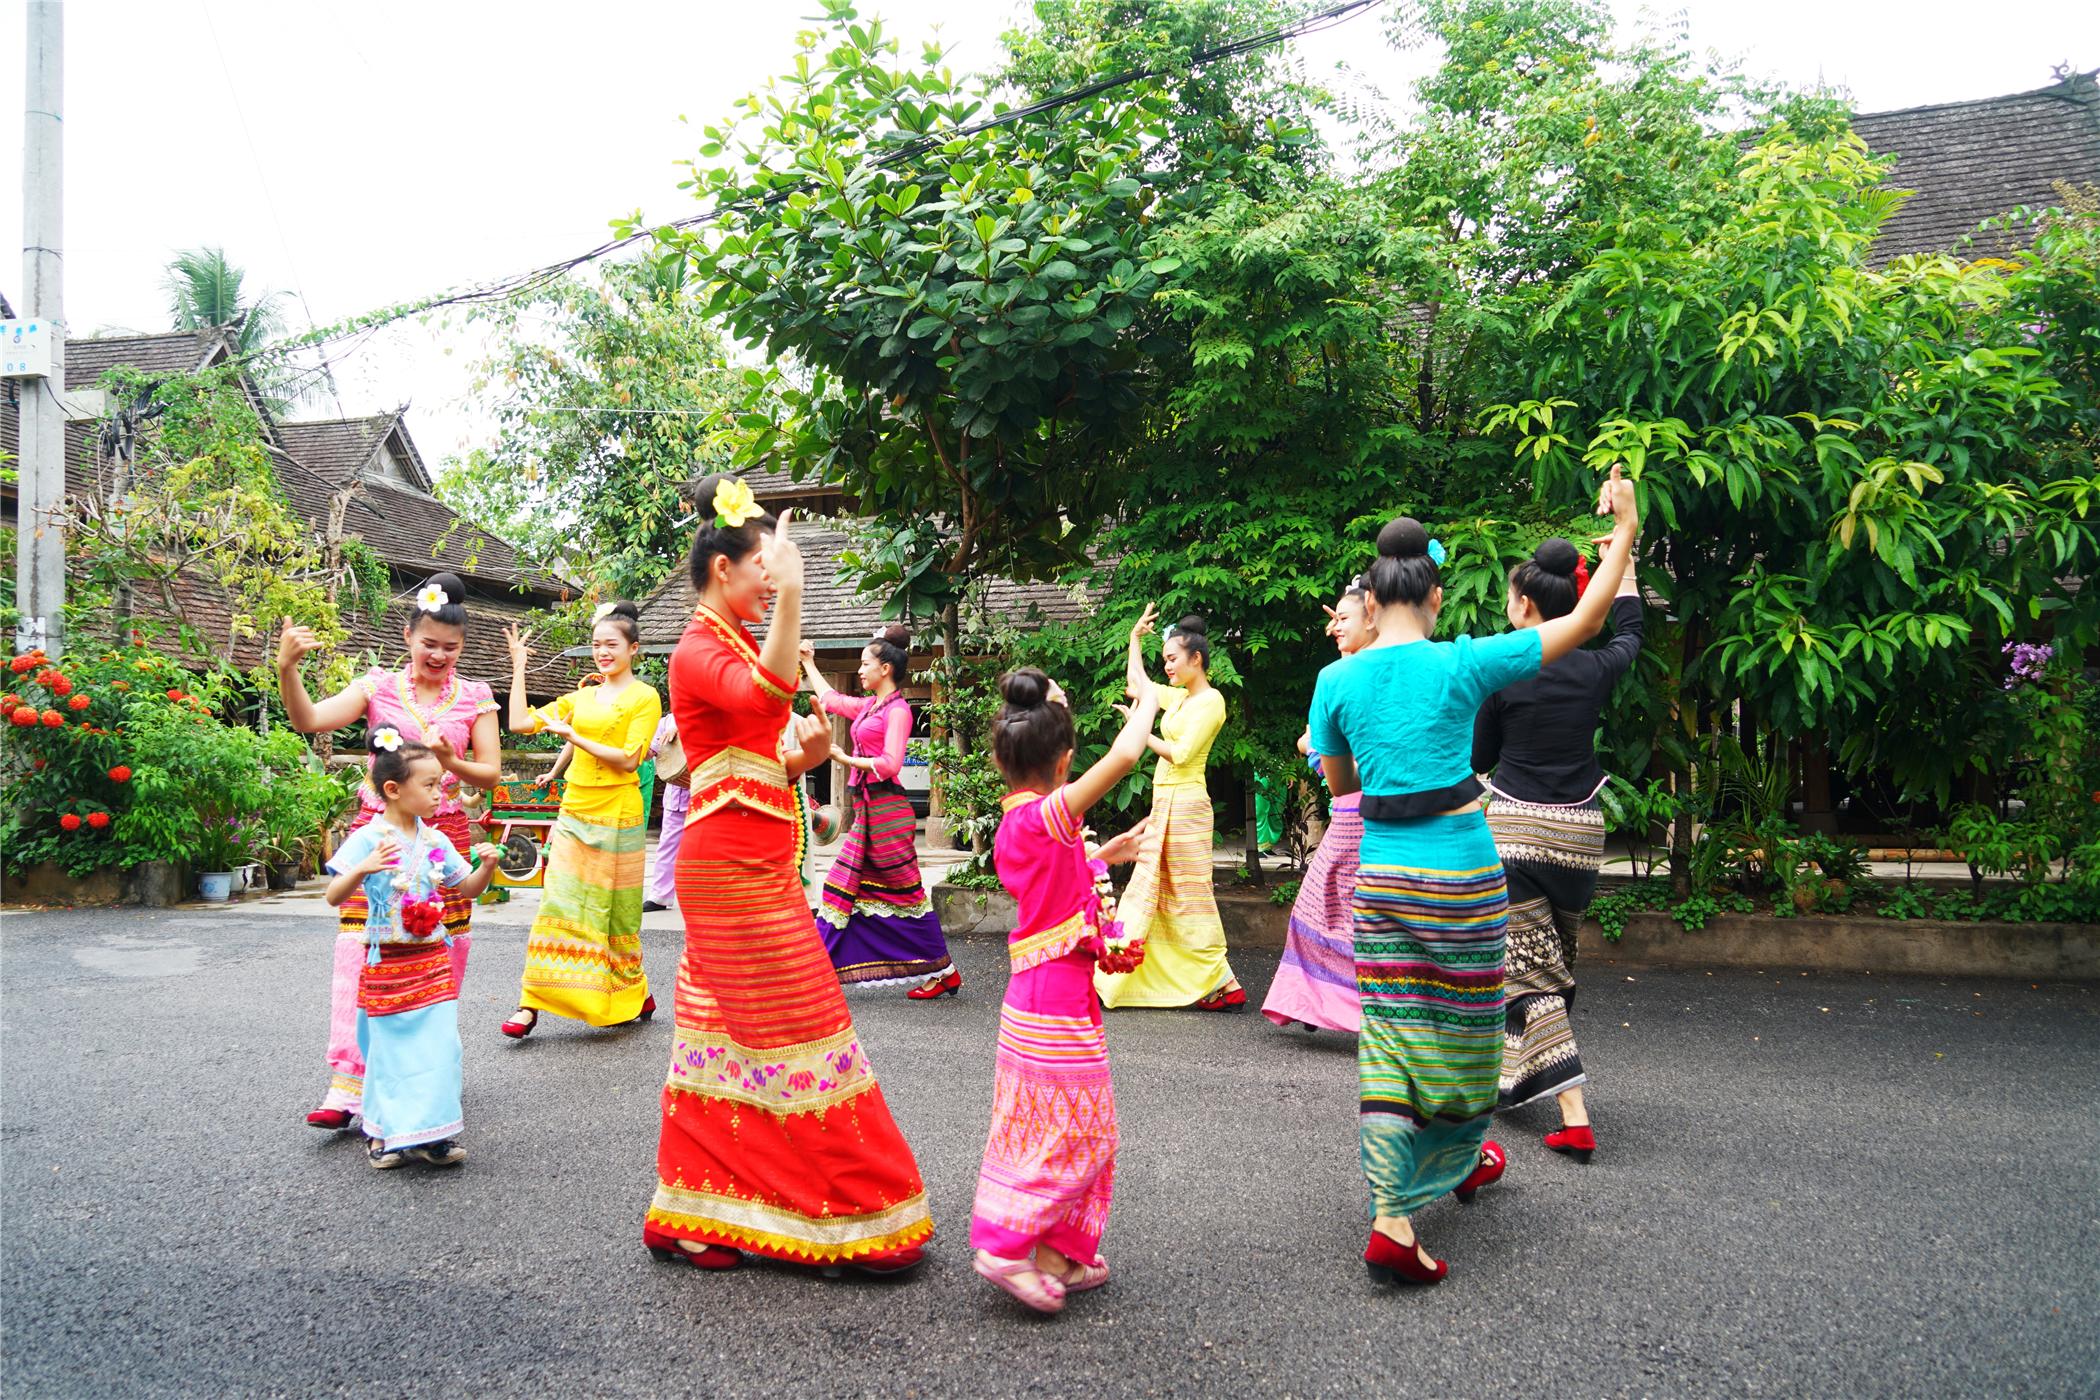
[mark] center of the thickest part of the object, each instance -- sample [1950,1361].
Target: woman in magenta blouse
[878,923]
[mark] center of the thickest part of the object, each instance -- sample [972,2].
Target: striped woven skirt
[1429,968]
[776,1137]
[879,924]
[1050,1164]
[583,958]
[408,1031]
[1169,903]
[346,1062]
[1316,981]
[1552,854]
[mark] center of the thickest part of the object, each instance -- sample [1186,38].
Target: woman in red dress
[776,1138]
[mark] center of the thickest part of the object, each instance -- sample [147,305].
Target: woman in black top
[1538,739]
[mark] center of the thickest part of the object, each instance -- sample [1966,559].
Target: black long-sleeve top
[1539,736]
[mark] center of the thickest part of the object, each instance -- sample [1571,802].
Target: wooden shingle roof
[1966,162]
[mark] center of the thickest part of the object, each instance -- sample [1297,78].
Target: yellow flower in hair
[734,503]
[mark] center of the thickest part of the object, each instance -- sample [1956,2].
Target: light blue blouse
[1405,713]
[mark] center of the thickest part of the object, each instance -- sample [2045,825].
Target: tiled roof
[1971,161]
[835,616]
[337,449]
[176,352]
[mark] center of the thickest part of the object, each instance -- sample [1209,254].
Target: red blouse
[730,711]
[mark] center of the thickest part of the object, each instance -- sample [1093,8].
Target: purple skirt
[1316,982]
[878,924]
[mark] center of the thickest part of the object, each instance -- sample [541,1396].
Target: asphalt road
[1806,1186]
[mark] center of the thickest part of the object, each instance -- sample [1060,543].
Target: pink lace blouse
[390,703]
[880,730]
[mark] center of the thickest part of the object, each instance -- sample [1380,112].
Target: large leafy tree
[954,315]
[609,396]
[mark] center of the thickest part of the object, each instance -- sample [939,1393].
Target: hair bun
[1025,689]
[454,589]
[1194,625]
[1403,538]
[624,609]
[897,635]
[1557,556]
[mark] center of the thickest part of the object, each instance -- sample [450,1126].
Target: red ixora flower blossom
[23,717]
[9,700]
[79,702]
[54,719]
[40,765]
[98,820]
[120,774]
[69,822]
[174,695]
[24,664]
[58,685]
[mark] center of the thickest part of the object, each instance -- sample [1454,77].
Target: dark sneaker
[444,1153]
[650,906]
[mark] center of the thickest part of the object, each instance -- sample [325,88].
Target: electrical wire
[505,289]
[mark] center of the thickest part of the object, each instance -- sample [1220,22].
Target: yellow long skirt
[583,958]
[1170,905]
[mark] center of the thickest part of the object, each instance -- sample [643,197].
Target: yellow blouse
[1189,724]
[626,722]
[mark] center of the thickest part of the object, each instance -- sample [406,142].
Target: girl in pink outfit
[1049,1167]
[428,703]
[878,922]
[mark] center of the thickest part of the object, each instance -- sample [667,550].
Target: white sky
[365,154]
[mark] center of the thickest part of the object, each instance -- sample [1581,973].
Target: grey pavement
[1807,1186]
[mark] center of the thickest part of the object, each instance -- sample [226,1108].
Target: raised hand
[808,652]
[1124,848]
[1615,497]
[781,556]
[813,738]
[1143,626]
[293,644]
[561,727]
[441,749]
[515,640]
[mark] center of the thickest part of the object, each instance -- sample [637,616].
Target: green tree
[953,316]
[205,292]
[609,397]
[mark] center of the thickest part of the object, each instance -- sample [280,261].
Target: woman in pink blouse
[426,702]
[878,924]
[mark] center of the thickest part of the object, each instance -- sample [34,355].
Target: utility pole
[40,547]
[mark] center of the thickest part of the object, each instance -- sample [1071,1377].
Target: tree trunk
[1818,813]
[950,668]
[1254,877]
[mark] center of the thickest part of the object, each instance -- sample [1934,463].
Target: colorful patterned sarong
[879,924]
[583,958]
[1429,945]
[776,1137]
[1552,854]
[1170,904]
[1316,981]
[346,1062]
[1049,1167]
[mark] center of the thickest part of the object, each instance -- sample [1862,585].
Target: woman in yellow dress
[1169,903]
[583,958]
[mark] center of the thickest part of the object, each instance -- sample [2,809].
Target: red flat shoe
[337,1120]
[667,1250]
[521,1023]
[1487,1173]
[1234,1000]
[1577,1142]
[1390,1261]
[947,987]
[893,1264]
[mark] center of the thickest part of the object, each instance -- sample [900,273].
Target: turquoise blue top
[428,861]
[1405,713]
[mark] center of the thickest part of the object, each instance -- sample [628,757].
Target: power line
[509,287]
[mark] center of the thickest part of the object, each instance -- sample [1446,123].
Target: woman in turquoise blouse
[1395,722]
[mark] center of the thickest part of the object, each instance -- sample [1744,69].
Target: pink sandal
[1084,1277]
[1030,1286]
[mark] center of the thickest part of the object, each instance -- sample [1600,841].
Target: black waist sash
[1402,806]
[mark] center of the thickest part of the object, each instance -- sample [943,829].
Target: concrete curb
[1819,943]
